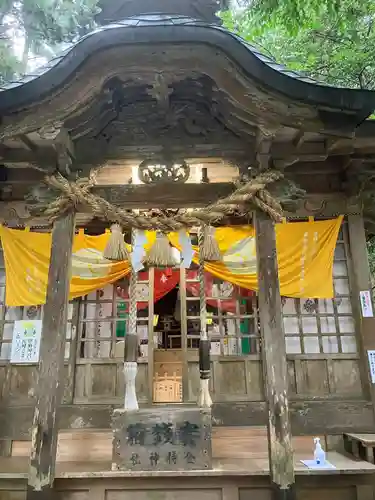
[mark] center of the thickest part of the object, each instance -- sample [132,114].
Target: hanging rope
[204,398]
[133,296]
[77,194]
[202,295]
[131,345]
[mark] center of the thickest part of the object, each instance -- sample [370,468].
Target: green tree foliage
[293,14]
[330,41]
[40,26]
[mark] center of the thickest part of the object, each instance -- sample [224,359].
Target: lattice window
[8,315]
[324,326]
[103,319]
[232,316]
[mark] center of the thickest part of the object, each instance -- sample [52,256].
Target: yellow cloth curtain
[305,257]
[305,252]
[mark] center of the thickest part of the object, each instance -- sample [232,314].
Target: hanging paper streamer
[187,251]
[138,252]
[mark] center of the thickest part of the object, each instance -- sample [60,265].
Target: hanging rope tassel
[161,253]
[116,248]
[204,398]
[210,249]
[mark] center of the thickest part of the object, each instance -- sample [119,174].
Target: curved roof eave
[160,29]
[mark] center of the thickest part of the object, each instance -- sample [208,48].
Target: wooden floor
[240,472]
[17,467]
[235,450]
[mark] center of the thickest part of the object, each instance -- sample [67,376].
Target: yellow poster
[304,249]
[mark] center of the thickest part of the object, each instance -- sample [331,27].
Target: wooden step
[361,446]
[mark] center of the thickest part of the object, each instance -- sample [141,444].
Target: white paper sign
[215,348]
[371,361]
[26,341]
[366,304]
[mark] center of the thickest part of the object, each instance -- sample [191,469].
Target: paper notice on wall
[142,331]
[26,341]
[371,361]
[366,304]
[215,349]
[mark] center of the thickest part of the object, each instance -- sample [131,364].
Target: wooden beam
[26,176]
[361,277]
[308,417]
[63,145]
[17,213]
[164,195]
[264,142]
[90,152]
[29,143]
[280,450]
[298,139]
[49,385]
[130,196]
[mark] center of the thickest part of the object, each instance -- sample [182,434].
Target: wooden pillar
[50,383]
[274,361]
[360,282]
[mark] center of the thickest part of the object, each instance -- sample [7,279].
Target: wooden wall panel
[345,377]
[252,493]
[141,383]
[240,379]
[254,380]
[168,494]
[103,380]
[230,380]
[80,389]
[74,495]
[12,495]
[20,383]
[323,487]
[324,378]
[311,377]
[104,383]
[17,384]
[345,493]
[3,372]
[292,378]
[67,386]
[193,381]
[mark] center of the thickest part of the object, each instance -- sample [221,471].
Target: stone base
[163,438]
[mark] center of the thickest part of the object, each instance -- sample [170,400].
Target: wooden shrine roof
[165,29]
[157,85]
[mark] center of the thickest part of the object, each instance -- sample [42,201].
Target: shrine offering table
[229,479]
